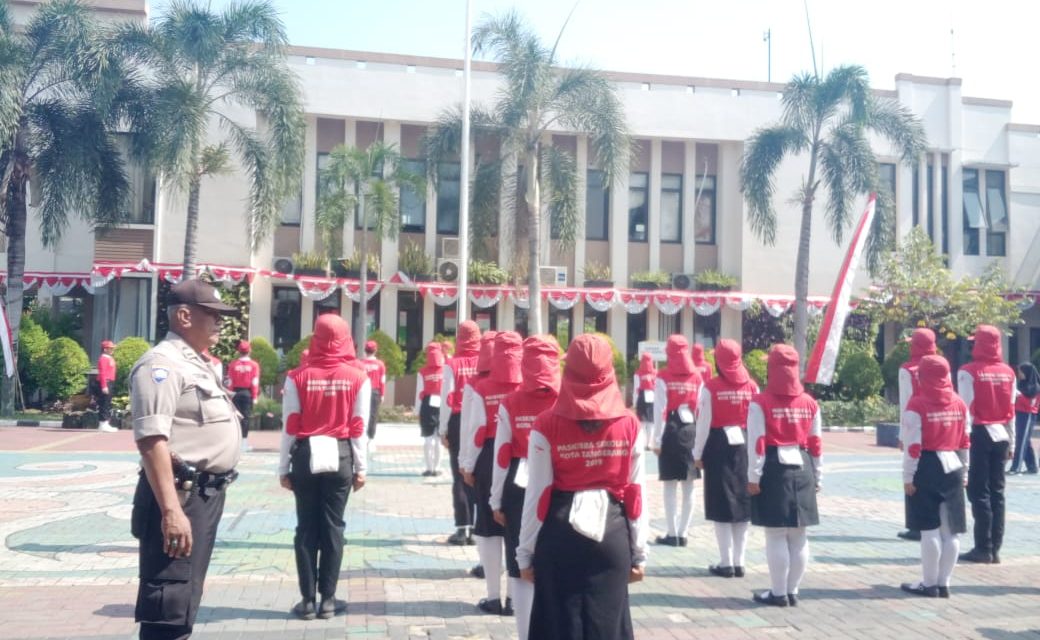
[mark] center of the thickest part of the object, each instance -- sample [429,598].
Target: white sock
[798,546]
[739,530]
[931,551]
[436,445]
[724,536]
[778,557]
[649,428]
[671,488]
[687,508]
[951,546]
[490,551]
[430,449]
[523,602]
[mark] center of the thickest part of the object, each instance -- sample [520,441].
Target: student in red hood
[326,403]
[643,384]
[675,406]
[700,363]
[457,372]
[922,343]
[934,429]
[785,471]
[540,368]
[376,371]
[1027,405]
[244,380]
[987,386]
[583,535]
[476,460]
[106,377]
[720,449]
[428,405]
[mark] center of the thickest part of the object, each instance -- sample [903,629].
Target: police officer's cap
[200,294]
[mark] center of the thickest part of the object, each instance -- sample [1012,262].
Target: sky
[987,44]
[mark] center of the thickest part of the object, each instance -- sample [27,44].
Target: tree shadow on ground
[403,574]
[907,560]
[249,544]
[446,609]
[116,611]
[1004,634]
[219,614]
[37,548]
[853,539]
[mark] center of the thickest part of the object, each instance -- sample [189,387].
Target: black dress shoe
[330,607]
[508,609]
[668,541]
[493,607]
[470,541]
[975,555]
[919,589]
[458,538]
[304,610]
[722,572]
[682,542]
[738,572]
[944,592]
[792,599]
[910,534]
[477,572]
[996,557]
[768,597]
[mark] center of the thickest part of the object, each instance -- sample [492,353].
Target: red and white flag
[820,369]
[5,340]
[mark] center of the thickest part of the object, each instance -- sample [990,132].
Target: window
[915,206]
[410,324]
[413,211]
[560,322]
[671,207]
[322,163]
[704,214]
[996,212]
[142,185]
[377,173]
[520,321]
[636,333]
[595,321]
[973,218]
[597,206]
[931,203]
[371,318]
[292,210]
[448,192]
[285,317]
[445,320]
[668,325]
[637,207]
[944,207]
[122,308]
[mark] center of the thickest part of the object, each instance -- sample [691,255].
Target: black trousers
[170,590]
[243,400]
[986,488]
[321,500]
[373,416]
[104,402]
[463,498]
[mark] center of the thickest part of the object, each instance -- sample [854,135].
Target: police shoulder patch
[159,374]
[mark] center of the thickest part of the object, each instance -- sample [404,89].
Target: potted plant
[597,274]
[268,412]
[308,263]
[649,280]
[712,280]
[351,266]
[415,262]
[486,272]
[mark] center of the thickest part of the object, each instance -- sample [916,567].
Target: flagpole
[464,174]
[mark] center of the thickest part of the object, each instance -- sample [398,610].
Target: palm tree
[366,182]
[831,119]
[63,92]
[536,98]
[202,67]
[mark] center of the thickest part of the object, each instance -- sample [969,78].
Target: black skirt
[513,508]
[788,496]
[485,524]
[429,418]
[644,409]
[580,585]
[725,479]
[675,461]
[935,488]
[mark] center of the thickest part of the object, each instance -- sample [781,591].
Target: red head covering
[922,343]
[680,360]
[589,389]
[447,349]
[505,365]
[435,355]
[646,365]
[244,346]
[698,354]
[108,344]
[487,351]
[541,363]
[467,339]
[987,344]
[729,362]
[782,370]
[371,346]
[331,342]
[936,385]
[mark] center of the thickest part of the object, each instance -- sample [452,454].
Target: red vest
[729,402]
[647,381]
[106,370]
[523,408]
[327,397]
[375,369]
[242,373]
[680,389]
[942,428]
[463,368]
[1026,404]
[915,383]
[994,383]
[492,393]
[432,378]
[789,421]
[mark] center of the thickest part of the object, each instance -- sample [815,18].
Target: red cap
[108,344]
[244,346]
[371,346]
[487,351]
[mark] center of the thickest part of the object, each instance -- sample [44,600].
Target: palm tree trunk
[359,330]
[534,214]
[191,228]
[801,275]
[16,218]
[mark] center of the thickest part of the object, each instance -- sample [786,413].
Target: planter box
[887,434]
[338,269]
[80,420]
[356,274]
[311,272]
[647,286]
[270,423]
[713,287]
[599,284]
[421,277]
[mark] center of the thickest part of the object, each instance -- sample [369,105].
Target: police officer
[188,434]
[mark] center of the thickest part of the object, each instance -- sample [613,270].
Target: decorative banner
[600,299]
[6,341]
[485,297]
[777,308]
[563,299]
[635,302]
[231,274]
[706,305]
[442,295]
[520,298]
[317,289]
[353,289]
[739,303]
[669,303]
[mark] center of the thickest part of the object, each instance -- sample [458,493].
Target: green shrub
[620,368]
[893,361]
[63,368]
[396,413]
[486,272]
[856,413]
[389,353]
[267,358]
[659,278]
[860,376]
[32,345]
[755,361]
[127,352]
[265,405]
[420,360]
[291,360]
[712,280]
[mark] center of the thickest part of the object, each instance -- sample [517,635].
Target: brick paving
[68,562]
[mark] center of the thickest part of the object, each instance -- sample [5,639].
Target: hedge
[63,368]
[127,352]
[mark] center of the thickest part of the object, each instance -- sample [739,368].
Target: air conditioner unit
[448,270]
[283,265]
[450,248]
[683,281]
[553,276]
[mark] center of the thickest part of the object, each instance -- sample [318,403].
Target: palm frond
[484,201]
[585,101]
[847,85]
[799,102]
[443,141]
[524,63]
[899,125]
[882,232]
[849,168]
[560,175]
[383,208]
[763,153]
[255,21]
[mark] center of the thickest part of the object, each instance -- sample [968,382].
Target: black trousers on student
[243,400]
[463,499]
[986,488]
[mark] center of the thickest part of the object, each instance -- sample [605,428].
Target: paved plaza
[68,562]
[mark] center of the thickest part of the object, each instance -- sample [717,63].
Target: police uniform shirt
[175,393]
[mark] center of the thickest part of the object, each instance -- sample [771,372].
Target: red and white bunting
[669,302]
[441,294]
[520,298]
[562,299]
[601,299]
[316,288]
[777,306]
[635,302]
[706,305]
[485,297]
[352,288]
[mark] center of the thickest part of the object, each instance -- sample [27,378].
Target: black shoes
[792,599]
[669,541]
[489,606]
[738,572]
[477,572]
[919,589]
[428,473]
[910,534]
[768,597]
[458,538]
[996,558]
[722,572]
[978,556]
[304,610]
[682,542]
[330,607]
[508,609]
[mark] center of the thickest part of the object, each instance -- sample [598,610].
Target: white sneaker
[246,446]
[106,428]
